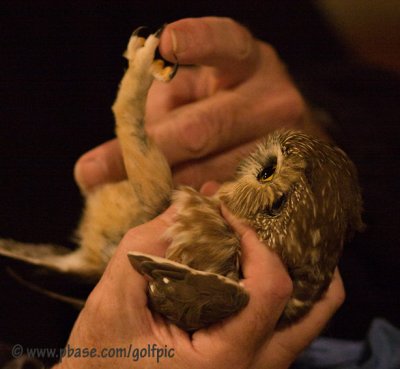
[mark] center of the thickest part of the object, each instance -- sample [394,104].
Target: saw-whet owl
[300,195]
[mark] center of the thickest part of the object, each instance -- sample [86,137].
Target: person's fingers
[189,120]
[190,84]
[299,335]
[269,287]
[100,165]
[216,124]
[209,188]
[286,344]
[249,241]
[147,238]
[220,167]
[218,42]
[150,237]
[227,119]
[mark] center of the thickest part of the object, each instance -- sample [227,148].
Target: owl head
[300,194]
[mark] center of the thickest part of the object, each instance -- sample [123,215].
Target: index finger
[287,344]
[269,286]
[216,42]
[148,238]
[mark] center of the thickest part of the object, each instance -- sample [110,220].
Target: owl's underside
[300,195]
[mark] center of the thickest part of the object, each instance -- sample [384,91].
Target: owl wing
[190,298]
[49,269]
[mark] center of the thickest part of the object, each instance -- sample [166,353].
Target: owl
[301,197]
[298,193]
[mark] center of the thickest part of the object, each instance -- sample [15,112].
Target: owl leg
[148,171]
[189,298]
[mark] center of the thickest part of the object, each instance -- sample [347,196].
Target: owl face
[300,194]
[263,181]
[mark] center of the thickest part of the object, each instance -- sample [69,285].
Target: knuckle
[270,55]
[292,107]
[242,36]
[288,105]
[339,297]
[189,175]
[95,303]
[130,236]
[195,133]
[295,103]
[281,288]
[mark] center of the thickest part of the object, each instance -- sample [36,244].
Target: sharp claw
[137,30]
[174,68]
[160,30]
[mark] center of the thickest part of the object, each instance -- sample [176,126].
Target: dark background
[60,65]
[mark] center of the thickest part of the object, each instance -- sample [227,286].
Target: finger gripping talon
[162,73]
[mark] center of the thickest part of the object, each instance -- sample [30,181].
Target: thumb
[100,165]
[216,42]
[269,287]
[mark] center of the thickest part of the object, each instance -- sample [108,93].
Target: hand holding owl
[116,311]
[281,178]
[210,115]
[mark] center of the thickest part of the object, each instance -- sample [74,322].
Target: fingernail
[178,42]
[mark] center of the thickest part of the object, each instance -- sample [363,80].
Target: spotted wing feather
[189,298]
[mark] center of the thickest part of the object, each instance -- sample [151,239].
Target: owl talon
[137,30]
[135,42]
[159,32]
[147,46]
[162,73]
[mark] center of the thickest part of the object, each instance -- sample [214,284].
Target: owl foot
[141,51]
[189,298]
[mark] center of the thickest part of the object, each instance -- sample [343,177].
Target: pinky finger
[288,343]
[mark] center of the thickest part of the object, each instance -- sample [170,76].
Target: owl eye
[267,173]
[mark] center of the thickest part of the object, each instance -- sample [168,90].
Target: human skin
[213,112]
[204,121]
[116,312]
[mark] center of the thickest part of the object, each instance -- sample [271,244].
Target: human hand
[212,114]
[116,313]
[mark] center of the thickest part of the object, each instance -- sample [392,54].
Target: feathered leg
[113,208]
[198,283]
[148,171]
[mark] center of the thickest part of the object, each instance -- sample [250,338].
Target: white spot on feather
[315,236]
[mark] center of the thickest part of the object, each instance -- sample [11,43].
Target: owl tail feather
[189,298]
[51,270]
